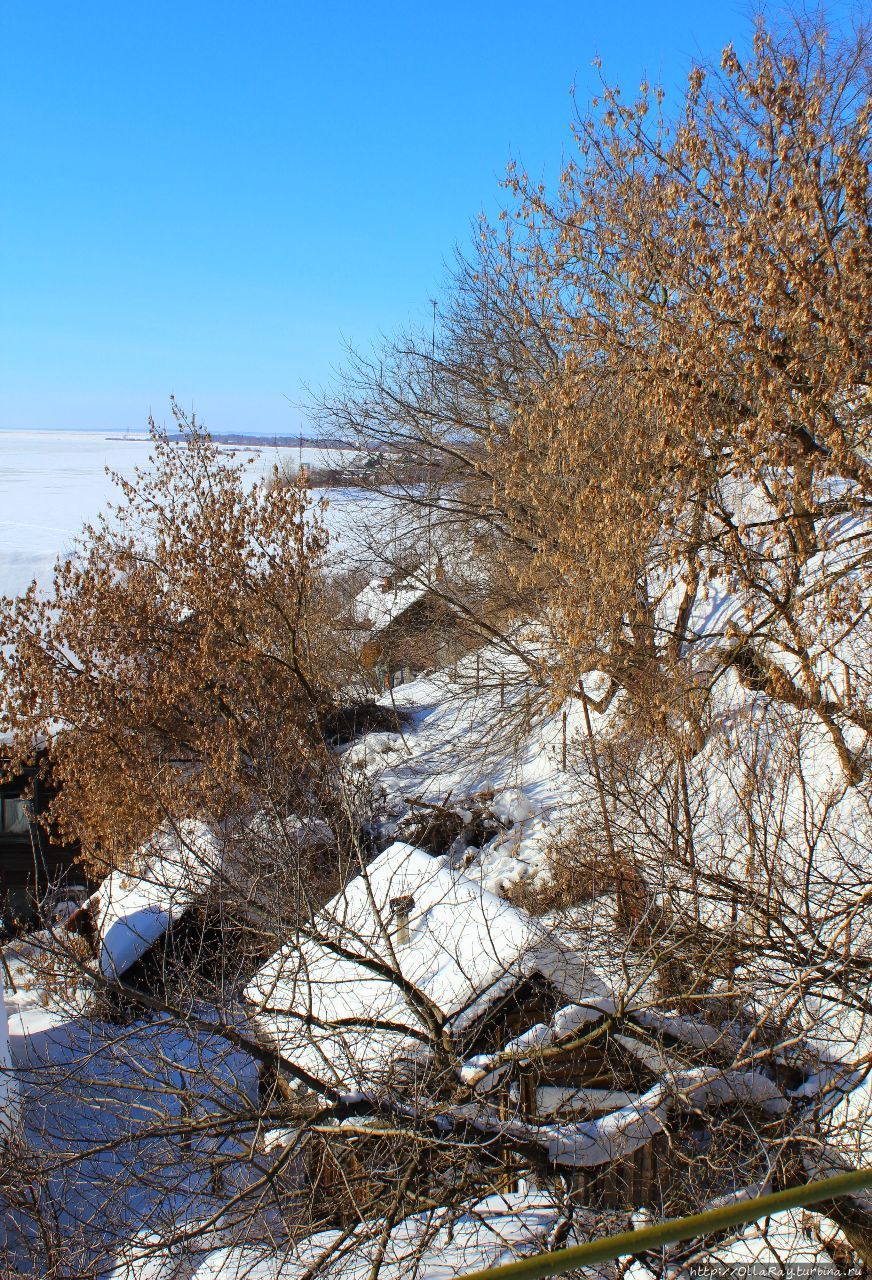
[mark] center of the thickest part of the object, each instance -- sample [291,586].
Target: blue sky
[209,199]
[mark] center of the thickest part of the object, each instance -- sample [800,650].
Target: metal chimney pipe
[401,908]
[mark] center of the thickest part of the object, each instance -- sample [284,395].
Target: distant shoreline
[261,440]
[273,442]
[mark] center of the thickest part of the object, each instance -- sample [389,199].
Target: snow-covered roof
[133,909]
[466,948]
[384,599]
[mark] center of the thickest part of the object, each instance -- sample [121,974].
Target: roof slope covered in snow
[383,600]
[334,1003]
[133,910]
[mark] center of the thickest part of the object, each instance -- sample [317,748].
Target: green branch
[723,1218]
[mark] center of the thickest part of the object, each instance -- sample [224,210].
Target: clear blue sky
[208,198]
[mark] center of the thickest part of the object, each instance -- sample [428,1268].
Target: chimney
[400,909]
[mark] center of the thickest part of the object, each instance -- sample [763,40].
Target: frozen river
[53,482]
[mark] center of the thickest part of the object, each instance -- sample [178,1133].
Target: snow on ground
[781,1241]
[464,738]
[101,1092]
[53,482]
[429,1246]
[460,743]
[9,1100]
[496,1231]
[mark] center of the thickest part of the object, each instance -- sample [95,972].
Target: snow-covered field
[52,482]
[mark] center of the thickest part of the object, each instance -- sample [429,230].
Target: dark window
[15,816]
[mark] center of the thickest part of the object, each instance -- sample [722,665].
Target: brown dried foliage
[704,291]
[181,663]
[653,384]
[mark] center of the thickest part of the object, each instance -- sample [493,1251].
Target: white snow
[133,909]
[468,945]
[103,1094]
[9,1099]
[588,1143]
[565,1022]
[432,1246]
[457,745]
[778,1243]
[385,599]
[551,1099]
[53,482]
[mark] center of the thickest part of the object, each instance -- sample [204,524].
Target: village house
[469,951]
[409,624]
[518,1008]
[39,874]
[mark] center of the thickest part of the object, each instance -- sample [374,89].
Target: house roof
[325,1005]
[385,599]
[133,909]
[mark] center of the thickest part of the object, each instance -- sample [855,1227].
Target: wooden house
[410,624]
[38,871]
[515,1006]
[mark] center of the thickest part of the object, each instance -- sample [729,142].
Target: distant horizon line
[292,440]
